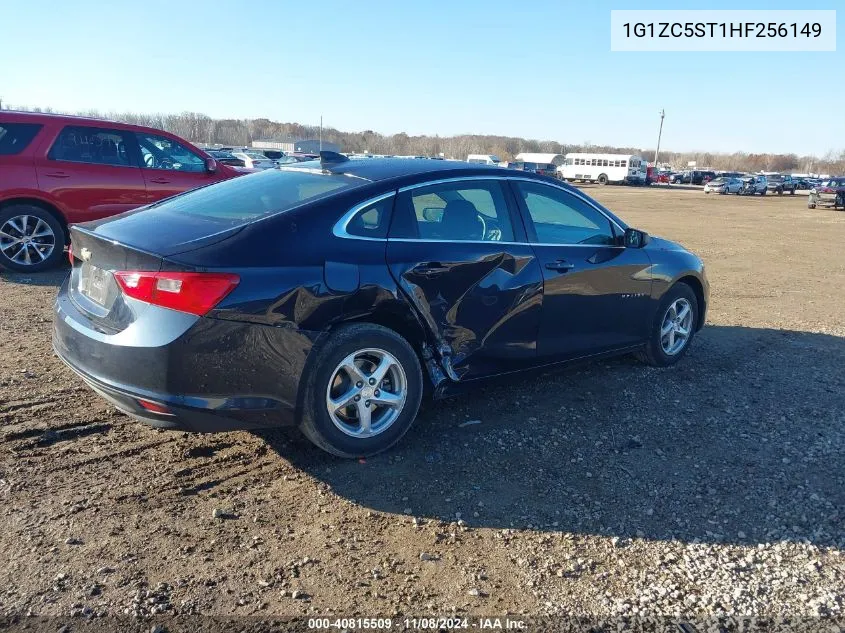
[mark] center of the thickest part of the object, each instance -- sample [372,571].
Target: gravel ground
[713,488]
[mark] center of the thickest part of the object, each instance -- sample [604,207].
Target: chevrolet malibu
[334,294]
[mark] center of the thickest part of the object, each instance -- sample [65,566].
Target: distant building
[306,146]
[312,146]
[282,146]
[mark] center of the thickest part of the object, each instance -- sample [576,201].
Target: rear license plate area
[94,283]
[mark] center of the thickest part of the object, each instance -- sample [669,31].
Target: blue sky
[538,69]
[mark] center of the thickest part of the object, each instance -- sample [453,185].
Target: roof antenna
[328,158]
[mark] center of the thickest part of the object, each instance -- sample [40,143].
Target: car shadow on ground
[743,441]
[48,278]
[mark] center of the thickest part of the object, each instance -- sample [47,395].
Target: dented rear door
[479,294]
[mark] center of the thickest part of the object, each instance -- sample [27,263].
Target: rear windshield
[14,137]
[245,198]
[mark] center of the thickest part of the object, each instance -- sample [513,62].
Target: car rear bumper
[208,374]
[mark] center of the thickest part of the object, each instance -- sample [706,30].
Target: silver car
[754,184]
[723,185]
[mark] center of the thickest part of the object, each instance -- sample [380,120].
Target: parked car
[693,177]
[226,158]
[273,154]
[723,185]
[253,159]
[778,183]
[56,170]
[544,169]
[805,184]
[830,193]
[279,298]
[754,184]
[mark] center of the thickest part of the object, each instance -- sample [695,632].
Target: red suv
[57,170]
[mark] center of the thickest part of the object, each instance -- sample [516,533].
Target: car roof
[376,169]
[18,116]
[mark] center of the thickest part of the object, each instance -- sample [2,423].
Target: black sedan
[333,294]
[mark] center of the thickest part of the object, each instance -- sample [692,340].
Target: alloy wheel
[676,327]
[366,393]
[27,240]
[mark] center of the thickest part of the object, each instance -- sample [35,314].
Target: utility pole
[659,134]
[321,132]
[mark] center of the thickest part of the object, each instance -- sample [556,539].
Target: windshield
[240,200]
[775,177]
[256,155]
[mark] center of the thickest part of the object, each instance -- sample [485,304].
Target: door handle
[560,265]
[160,181]
[57,174]
[431,269]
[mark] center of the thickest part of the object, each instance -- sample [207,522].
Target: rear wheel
[763,193]
[780,191]
[364,392]
[602,179]
[673,328]
[31,238]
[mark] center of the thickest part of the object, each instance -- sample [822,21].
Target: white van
[604,168]
[483,159]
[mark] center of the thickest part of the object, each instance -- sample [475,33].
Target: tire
[41,228]
[366,344]
[810,205]
[780,191]
[792,191]
[602,179]
[654,353]
[764,192]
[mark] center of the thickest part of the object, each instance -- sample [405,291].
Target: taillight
[154,407]
[70,254]
[195,293]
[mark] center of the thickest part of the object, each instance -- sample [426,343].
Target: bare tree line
[202,129]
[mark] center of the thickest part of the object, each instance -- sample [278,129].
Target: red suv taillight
[195,293]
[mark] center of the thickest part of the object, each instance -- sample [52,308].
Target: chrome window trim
[339,229]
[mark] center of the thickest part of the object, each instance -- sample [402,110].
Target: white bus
[604,168]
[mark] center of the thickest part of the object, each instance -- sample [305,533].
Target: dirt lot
[717,486]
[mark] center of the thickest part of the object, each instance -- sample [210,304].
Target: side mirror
[210,165]
[634,238]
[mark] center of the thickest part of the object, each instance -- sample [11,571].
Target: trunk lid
[92,287]
[178,232]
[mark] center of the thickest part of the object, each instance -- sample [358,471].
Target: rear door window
[14,137]
[458,211]
[97,146]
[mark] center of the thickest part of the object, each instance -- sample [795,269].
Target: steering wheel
[483,225]
[165,163]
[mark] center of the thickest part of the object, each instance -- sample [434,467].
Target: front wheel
[780,191]
[673,328]
[31,238]
[602,179]
[763,193]
[364,391]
